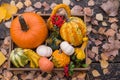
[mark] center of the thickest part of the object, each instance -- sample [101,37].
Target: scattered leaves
[104,64]
[111,7]
[110,32]
[101,30]
[28,3]
[97,42]
[29,9]
[88,11]
[91,3]
[53,5]
[67,2]
[88,61]
[95,49]
[99,17]
[91,54]
[112,20]
[19,5]
[38,5]
[105,71]
[77,10]
[81,75]
[103,56]
[95,73]
[114,26]
[104,23]
[46,6]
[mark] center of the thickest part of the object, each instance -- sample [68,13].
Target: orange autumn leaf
[11,9]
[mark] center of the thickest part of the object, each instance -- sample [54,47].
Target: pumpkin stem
[23,24]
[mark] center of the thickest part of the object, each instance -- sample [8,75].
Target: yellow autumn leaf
[11,9]
[104,57]
[105,71]
[88,61]
[3,12]
[104,63]
[95,73]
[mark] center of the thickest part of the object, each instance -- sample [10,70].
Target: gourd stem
[84,45]
[23,24]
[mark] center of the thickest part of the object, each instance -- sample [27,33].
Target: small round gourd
[67,48]
[45,64]
[44,50]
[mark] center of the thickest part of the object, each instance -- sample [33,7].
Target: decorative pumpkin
[44,50]
[73,30]
[67,48]
[45,64]
[28,30]
[60,59]
[18,58]
[80,54]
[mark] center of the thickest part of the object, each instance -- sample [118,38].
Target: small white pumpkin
[67,48]
[44,50]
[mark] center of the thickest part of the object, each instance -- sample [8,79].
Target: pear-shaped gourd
[44,50]
[67,48]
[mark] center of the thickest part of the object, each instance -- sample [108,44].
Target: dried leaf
[89,28]
[111,7]
[7,74]
[29,9]
[101,30]
[12,3]
[67,2]
[53,5]
[104,57]
[97,42]
[46,6]
[88,11]
[111,53]
[117,44]
[114,26]
[19,5]
[97,57]
[94,22]
[11,9]
[14,78]
[118,36]
[110,32]
[111,40]
[88,61]
[38,5]
[28,3]
[105,71]
[3,51]
[3,12]
[81,75]
[91,54]
[113,20]
[99,17]
[95,50]
[95,73]
[91,3]
[104,63]
[76,10]
[7,24]
[60,74]
[104,23]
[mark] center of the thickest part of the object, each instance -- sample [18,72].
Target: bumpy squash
[28,30]
[60,59]
[18,58]
[73,30]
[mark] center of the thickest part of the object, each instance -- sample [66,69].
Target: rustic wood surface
[114,65]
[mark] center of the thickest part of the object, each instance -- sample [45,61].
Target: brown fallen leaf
[67,2]
[87,19]
[89,29]
[117,44]
[95,73]
[114,26]
[91,3]
[4,51]
[97,42]
[53,5]
[88,61]
[118,36]
[95,49]
[12,2]
[19,5]
[105,71]
[97,57]
[77,10]
[30,75]
[7,74]
[108,46]
[103,56]
[14,78]
[91,54]
[94,22]
[111,7]
[113,20]
[99,17]
[110,32]
[60,74]
[81,75]
[38,5]
[46,6]
[94,31]
[104,24]
[29,9]
[101,30]
[28,3]
[88,11]
[111,39]
[104,64]
[111,53]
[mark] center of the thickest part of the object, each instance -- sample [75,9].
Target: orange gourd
[28,30]
[45,64]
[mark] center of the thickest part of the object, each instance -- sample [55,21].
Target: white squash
[67,48]
[44,50]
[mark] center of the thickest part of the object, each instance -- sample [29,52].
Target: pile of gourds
[47,45]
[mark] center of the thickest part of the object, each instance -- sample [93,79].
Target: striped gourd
[73,31]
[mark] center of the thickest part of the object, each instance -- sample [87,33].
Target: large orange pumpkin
[28,30]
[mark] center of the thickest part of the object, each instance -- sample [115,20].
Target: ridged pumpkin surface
[73,31]
[34,36]
[60,59]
